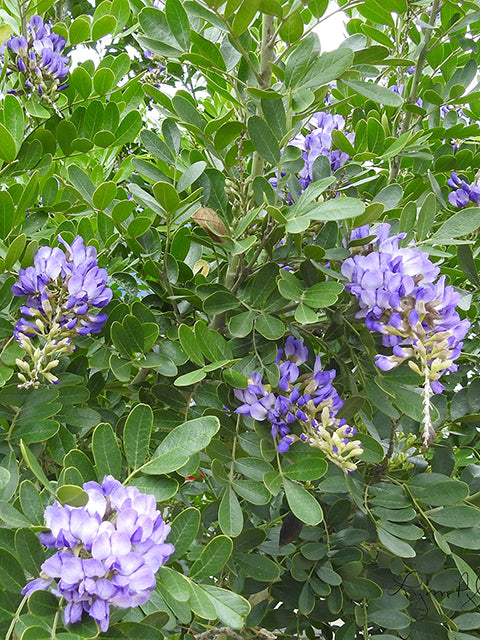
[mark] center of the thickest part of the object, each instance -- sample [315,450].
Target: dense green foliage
[163,164]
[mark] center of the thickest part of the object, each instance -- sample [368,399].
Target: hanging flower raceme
[309,402]
[401,296]
[318,142]
[38,56]
[108,551]
[65,291]
[462,193]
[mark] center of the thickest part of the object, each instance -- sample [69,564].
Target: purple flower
[108,551]
[39,57]
[401,297]
[462,193]
[65,291]
[308,402]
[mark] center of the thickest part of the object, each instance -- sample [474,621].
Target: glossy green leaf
[213,558]
[72,495]
[264,140]
[136,434]
[375,92]
[184,530]
[177,20]
[230,516]
[106,452]
[303,505]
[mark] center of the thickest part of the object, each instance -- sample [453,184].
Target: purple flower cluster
[401,296]
[310,401]
[65,290]
[108,552]
[39,57]
[462,193]
[318,142]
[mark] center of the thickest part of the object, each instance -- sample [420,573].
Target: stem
[412,98]
[16,617]
[428,432]
[213,633]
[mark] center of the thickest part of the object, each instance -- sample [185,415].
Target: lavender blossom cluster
[462,193]
[108,551]
[65,290]
[309,401]
[318,142]
[401,296]
[38,56]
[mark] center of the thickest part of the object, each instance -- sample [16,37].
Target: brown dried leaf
[211,223]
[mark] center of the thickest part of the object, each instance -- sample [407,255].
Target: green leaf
[104,195]
[274,113]
[303,505]
[12,517]
[193,172]
[166,195]
[375,92]
[467,264]
[436,489]
[258,567]
[103,81]
[34,465]
[390,619]
[244,15]
[190,378]
[323,294]
[213,558]
[79,30]
[458,516]
[241,324]
[29,551]
[12,576]
[191,436]
[102,26]
[72,495]
[81,81]
[460,224]
[305,315]
[468,538]
[7,211]
[129,128]
[269,327]
[8,148]
[184,530]
[181,443]
[394,544]
[190,344]
[166,462]
[292,29]
[254,492]
[106,452]
[311,468]
[329,66]
[175,583]
[136,434]
[13,119]
[264,140]
[162,488]
[230,516]
[177,20]
[230,607]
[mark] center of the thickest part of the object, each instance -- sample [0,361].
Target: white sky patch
[331,30]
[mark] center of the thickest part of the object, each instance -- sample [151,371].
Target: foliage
[180,151]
